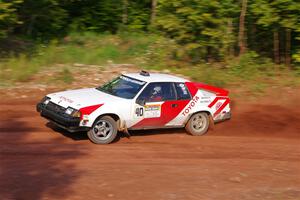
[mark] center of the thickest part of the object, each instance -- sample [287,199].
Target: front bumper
[55,113]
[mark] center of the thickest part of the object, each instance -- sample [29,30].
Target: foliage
[66,76]
[192,34]
[93,15]
[41,19]
[8,15]
[199,26]
[90,49]
[206,30]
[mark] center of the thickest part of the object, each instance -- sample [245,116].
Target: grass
[86,48]
[65,76]
[146,51]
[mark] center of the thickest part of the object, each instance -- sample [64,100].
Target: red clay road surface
[254,156]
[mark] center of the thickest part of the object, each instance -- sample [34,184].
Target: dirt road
[256,155]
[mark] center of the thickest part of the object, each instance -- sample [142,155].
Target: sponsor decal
[218,105]
[62,98]
[206,101]
[132,80]
[152,111]
[190,106]
[183,88]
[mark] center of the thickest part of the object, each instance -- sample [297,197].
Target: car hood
[82,98]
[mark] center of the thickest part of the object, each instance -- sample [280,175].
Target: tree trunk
[125,12]
[30,25]
[276,47]
[241,37]
[288,48]
[153,11]
[209,58]
[230,32]
[253,37]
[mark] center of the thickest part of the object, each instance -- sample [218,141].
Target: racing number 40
[139,112]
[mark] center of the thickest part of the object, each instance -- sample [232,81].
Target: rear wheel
[198,124]
[104,130]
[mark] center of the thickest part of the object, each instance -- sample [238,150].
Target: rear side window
[182,91]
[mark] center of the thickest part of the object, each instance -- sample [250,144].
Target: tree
[289,12]
[139,15]
[8,16]
[153,11]
[267,16]
[207,30]
[95,15]
[198,26]
[241,37]
[41,19]
[125,12]
[230,12]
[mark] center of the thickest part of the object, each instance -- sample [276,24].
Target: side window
[155,92]
[182,91]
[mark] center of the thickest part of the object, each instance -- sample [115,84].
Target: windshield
[123,86]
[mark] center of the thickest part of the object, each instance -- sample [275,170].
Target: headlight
[76,113]
[69,111]
[45,100]
[73,112]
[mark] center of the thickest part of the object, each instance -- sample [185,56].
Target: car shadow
[79,136]
[35,169]
[157,131]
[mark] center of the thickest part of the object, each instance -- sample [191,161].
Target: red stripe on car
[168,113]
[227,100]
[192,88]
[89,109]
[216,90]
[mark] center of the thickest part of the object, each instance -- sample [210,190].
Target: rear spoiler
[193,87]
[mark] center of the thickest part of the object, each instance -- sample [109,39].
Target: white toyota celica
[137,101]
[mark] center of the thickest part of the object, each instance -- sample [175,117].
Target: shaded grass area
[148,51]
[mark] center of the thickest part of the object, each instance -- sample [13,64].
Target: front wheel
[104,130]
[198,124]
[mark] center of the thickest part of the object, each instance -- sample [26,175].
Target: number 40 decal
[139,112]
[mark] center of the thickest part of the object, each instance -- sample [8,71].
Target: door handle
[174,105]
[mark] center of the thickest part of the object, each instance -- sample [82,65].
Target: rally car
[137,101]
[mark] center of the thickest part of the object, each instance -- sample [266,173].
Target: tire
[104,130]
[198,124]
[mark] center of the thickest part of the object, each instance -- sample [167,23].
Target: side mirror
[141,102]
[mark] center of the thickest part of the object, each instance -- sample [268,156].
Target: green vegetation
[65,76]
[219,42]
[89,49]
[151,52]
[207,30]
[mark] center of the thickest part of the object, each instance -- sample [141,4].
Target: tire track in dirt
[253,156]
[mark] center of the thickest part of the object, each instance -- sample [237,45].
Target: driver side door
[154,105]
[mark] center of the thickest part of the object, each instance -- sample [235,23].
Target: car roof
[156,77]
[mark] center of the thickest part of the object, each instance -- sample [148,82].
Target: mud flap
[125,130]
[211,123]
